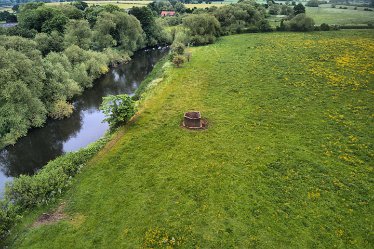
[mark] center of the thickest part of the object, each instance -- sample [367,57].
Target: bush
[118,109]
[312,3]
[264,26]
[8,215]
[178,48]
[178,60]
[299,9]
[61,109]
[301,23]
[324,27]
[204,28]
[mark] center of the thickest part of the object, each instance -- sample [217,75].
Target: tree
[151,29]
[204,28]
[78,32]
[179,7]
[274,9]
[49,42]
[286,10]
[21,85]
[299,9]
[118,29]
[41,18]
[80,5]
[301,23]
[118,109]
[312,3]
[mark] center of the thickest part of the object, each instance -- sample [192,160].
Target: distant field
[326,14]
[121,4]
[340,16]
[286,161]
[130,4]
[203,5]
[6,9]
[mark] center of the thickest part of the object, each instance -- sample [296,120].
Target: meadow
[130,4]
[286,161]
[350,16]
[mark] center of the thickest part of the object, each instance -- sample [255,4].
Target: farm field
[130,4]
[286,161]
[340,16]
[331,16]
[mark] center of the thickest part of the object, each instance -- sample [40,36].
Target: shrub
[8,215]
[299,9]
[324,27]
[204,28]
[312,3]
[264,26]
[178,60]
[178,48]
[118,109]
[301,23]
[61,109]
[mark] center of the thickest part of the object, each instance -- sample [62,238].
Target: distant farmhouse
[167,13]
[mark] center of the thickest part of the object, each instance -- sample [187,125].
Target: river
[85,125]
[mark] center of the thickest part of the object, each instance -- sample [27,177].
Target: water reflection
[83,127]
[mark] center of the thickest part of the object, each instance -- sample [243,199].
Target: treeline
[54,53]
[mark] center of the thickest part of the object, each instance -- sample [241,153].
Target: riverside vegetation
[285,161]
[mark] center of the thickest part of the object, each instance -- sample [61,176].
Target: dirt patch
[50,218]
[204,125]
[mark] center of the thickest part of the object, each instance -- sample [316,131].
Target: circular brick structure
[192,120]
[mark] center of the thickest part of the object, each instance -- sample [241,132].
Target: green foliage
[61,109]
[80,5]
[78,32]
[7,16]
[118,109]
[204,28]
[274,9]
[178,60]
[325,27]
[8,216]
[298,9]
[153,31]
[49,42]
[286,10]
[237,18]
[301,22]
[312,3]
[117,29]
[42,18]
[21,85]
[178,48]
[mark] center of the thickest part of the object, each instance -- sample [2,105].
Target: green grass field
[130,4]
[340,16]
[286,161]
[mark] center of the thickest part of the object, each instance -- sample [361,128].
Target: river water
[85,125]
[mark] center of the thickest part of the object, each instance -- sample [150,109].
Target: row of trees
[63,49]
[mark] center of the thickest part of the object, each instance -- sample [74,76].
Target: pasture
[286,161]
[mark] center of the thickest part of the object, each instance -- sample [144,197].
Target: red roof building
[167,13]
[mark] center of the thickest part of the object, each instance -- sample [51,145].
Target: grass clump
[286,161]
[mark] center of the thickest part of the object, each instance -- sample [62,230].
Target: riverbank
[285,161]
[83,127]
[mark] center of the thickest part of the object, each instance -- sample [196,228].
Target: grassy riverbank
[284,163]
